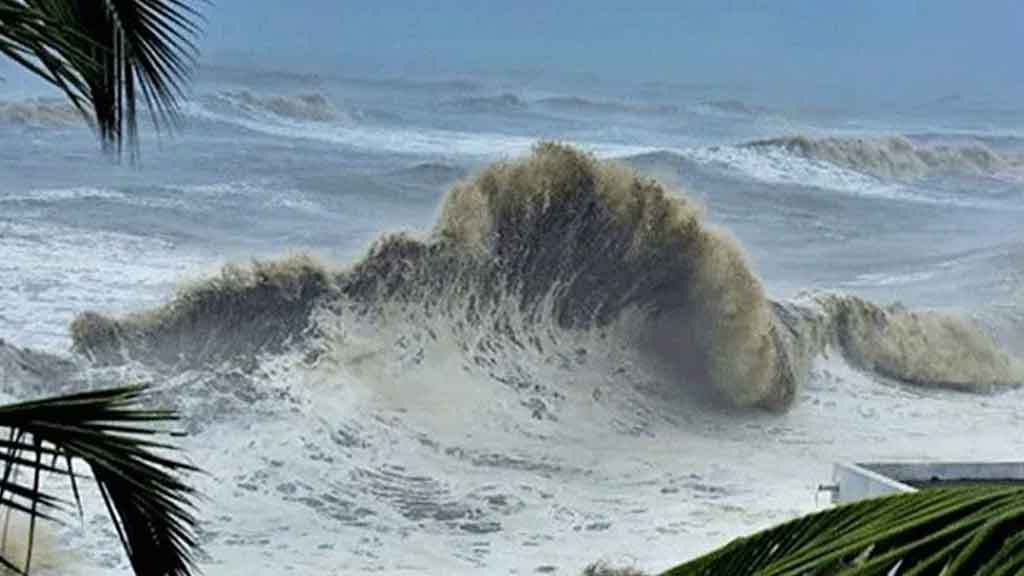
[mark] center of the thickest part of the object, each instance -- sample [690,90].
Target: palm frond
[107,56]
[26,36]
[965,530]
[140,482]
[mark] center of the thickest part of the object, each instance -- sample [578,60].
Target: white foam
[778,167]
[64,194]
[265,192]
[881,279]
[623,474]
[425,142]
[96,270]
[775,166]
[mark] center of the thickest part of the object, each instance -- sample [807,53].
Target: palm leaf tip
[975,530]
[140,481]
[107,56]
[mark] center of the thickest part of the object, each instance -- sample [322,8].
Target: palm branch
[965,530]
[109,432]
[107,56]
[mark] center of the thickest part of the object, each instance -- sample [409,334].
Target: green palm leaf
[139,481]
[967,530]
[107,56]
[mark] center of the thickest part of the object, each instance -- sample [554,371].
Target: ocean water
[437,367]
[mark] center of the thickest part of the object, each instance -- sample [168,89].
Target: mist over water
[407,337]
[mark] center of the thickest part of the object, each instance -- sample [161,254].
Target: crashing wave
[583,244]
[920,347]
[23,370]
[562,241]
[895,157]
[312,107]
[40,113]
[242,313]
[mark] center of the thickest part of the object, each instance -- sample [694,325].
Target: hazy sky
[775,50]
[862,48]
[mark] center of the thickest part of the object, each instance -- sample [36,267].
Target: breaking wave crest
[919,347]
[727,107]
[579,244]
[508,103]
[312,107]
[39,113]
[895,157]
[560,241]
[242,313]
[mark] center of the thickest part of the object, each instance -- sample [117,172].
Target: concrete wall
[852,482]
[949,471]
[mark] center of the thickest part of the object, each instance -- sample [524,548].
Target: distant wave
[55,113]
[398,140]
[727,107]
[779,167]
[431,173]
[370,138]
[40,113]
[587,106]
[449,85]
[562,242]
[257,77]
[996,139]
[508,102]
[851,166]
[313,107]
[502,103]
[895,157]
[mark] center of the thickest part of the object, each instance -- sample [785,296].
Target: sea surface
[365,412]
